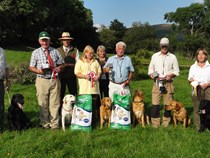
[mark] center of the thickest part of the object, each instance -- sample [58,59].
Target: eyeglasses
[166,47]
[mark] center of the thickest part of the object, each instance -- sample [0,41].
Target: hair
[121,43]
[87,49]
[204,52]
[101,47]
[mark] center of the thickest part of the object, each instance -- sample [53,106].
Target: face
[164,49]
[66,42]
[45,43]
[89,55]
[120,51]
[101,53]
[201,57]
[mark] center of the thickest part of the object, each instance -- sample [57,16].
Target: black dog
[204,115]
[17,120]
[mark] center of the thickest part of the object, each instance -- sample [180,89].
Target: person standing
[199,77]
[121,69]
[104,79]
[88,72]
[46,62]
[4,75]
[163,68]
[70,55]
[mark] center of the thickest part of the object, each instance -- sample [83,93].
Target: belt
[48,78]
[118,83]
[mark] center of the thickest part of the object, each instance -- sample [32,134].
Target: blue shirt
[121,68]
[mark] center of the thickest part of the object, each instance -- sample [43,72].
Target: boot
[166,121]
[155,122]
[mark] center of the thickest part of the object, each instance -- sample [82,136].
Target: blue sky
[129,11]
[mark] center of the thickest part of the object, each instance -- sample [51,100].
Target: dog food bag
[120,116]
[82,113]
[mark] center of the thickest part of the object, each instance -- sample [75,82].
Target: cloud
[199,1]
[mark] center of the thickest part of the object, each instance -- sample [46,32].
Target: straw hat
[66,36]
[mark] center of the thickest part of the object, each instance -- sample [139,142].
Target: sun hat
[164,41]
[66,36]
[44,35]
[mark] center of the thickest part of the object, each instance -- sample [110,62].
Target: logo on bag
[86,120]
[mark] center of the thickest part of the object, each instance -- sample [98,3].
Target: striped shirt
[39,60]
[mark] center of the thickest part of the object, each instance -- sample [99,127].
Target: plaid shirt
[39,58]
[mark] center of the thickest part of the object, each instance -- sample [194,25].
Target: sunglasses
[164,47]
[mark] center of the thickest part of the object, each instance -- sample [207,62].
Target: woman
[199,77]
[88,71]
[104,79]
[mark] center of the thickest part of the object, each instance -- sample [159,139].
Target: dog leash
[8,97]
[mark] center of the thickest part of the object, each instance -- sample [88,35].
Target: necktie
[49,59]
[52,67]
[66,51]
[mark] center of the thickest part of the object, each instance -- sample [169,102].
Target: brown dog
[105,111]
[138,108]
[179,113]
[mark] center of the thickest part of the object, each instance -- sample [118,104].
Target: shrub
[21,75]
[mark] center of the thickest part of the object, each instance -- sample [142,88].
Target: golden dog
[179,113]
[138,108]
[105,111]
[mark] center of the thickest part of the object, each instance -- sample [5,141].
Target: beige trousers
[48,95]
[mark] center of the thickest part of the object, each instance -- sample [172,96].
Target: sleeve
[33,59]
[77,67]
[151,67]
[175,67]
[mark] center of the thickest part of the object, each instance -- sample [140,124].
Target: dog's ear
[178,106]
[103,101]
[64,100]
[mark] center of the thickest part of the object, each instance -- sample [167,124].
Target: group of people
[59,68]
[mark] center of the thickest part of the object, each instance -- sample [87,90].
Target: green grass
[138,142]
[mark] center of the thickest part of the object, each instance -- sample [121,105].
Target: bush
[136,60]
[21,75]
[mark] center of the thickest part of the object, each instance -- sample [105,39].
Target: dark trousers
[1,104]
[104,88]
[72,88]
[95,110]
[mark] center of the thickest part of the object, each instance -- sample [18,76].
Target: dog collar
[66,110]
[138,101]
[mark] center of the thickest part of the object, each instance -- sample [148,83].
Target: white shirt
[200,74]
[3,64]
[164,64]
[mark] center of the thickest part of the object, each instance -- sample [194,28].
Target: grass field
[138,142]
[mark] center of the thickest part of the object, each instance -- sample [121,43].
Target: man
[163,68]
[120,68]
[70,56]
[4,75]
[46,63]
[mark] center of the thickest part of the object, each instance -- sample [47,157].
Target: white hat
[66,36]
[164,41]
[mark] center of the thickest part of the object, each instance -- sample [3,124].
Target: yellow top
[86,86]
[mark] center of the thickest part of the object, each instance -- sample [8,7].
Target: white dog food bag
[120,116]
[82,113]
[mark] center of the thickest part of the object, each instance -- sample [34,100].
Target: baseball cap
[164,41]
[44,35]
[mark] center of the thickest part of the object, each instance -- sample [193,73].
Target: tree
[139,36]
[22,20]
[193,24]
[118,28]
[108,39]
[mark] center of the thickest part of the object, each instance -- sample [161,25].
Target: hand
[87,77]
[205,85]
[41,71]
